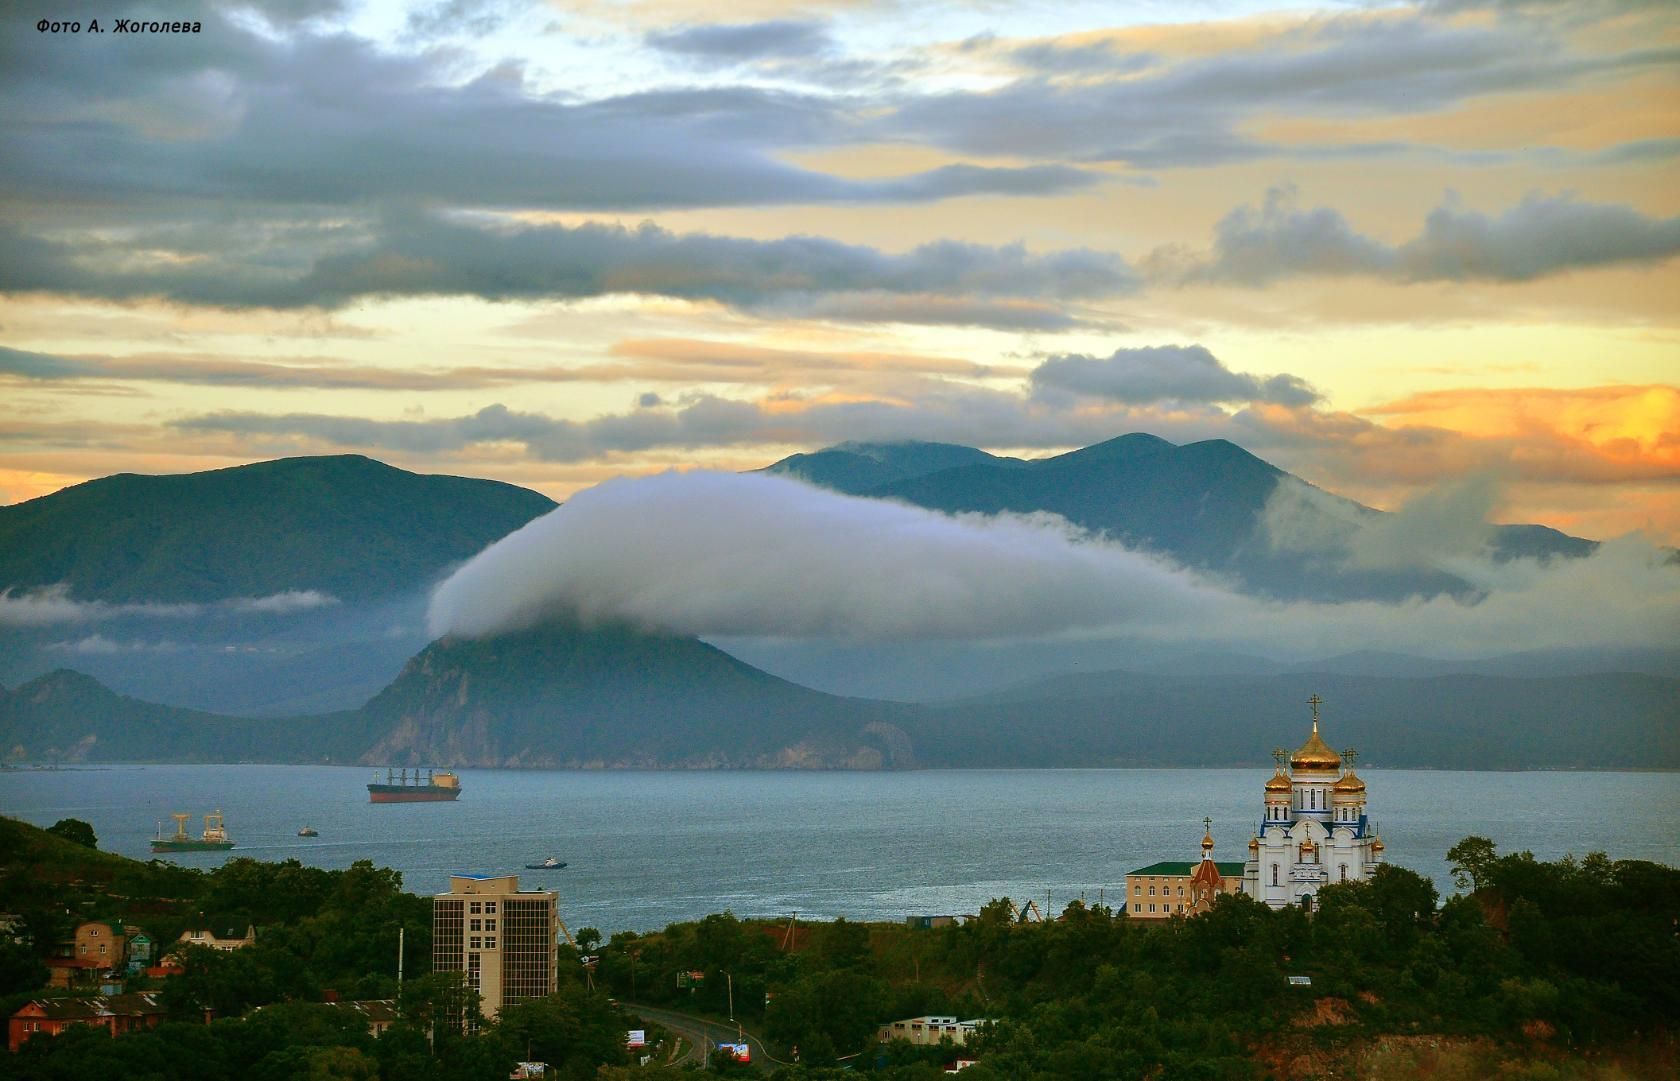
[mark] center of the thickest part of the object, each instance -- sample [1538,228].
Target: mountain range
[159,574]
[1202,504]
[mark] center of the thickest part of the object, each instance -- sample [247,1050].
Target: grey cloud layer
[421,255]
[407,253]
[1540,236]
[736,42]
[1191,113]
[1163,373]
[315,148]
[318,120]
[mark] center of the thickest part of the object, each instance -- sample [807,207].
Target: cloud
[99,645]
[764,556]
[465,17]
[1445,527]
[323,125]
[1163,373]
[320,373]
[735,43]
[1541,236]
[710,553]
[428,255]
[285,603]
[53,605]
[1196,110]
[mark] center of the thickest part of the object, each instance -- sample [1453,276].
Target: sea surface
[646,849]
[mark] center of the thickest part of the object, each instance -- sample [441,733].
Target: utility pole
[730,976]
[401,932]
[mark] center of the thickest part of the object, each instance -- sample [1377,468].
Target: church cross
[1348,756]
[1207,825]
[1279,754]
[1315,701]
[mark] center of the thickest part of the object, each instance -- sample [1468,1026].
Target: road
[702,1032]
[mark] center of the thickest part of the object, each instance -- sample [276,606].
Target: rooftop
[1227,868]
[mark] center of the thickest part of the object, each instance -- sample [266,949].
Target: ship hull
[191,846]
[410,793]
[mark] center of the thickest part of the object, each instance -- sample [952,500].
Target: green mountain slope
[858,468]
[612,695]
[344,525]
[65,716]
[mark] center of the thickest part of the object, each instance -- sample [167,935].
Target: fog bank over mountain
[766,557]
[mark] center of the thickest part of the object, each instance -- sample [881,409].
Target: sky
[1387,247]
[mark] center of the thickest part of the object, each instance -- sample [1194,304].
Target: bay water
[645,849]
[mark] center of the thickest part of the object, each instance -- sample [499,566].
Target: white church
[1314,831]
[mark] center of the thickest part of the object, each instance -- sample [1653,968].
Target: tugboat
[214,839]
[399,787]
[550,864]
[309,831]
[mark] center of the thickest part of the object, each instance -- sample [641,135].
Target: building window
[1152,893]
[475,943]
[1181,891]
[489,908]
[1344,872]
[474,908]
[1151,908]
[1136,907]
[489,925]
[490,942]
[1274,874]
[475,925]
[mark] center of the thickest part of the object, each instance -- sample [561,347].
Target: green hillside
[563,695]
[344,525]
[65,716]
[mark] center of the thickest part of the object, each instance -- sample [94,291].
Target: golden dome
[1207,843]
[1377,845]
[1308,846]
[1348,783]
[1254,844]
[1315,754]
[1278,783]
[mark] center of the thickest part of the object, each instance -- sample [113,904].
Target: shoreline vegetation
[1531,971]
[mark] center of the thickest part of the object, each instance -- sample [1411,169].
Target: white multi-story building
[1314,831]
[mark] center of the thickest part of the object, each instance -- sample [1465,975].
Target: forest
[1531,969]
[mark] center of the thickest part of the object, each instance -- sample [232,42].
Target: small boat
[309,831]
[550,864]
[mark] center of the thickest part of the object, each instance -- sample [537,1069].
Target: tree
[75,831]
[1472,859]
[20,969]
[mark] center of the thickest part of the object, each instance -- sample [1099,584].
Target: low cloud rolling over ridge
[762,556]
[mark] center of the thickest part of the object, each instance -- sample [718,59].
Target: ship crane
[1027,913]
[587,960]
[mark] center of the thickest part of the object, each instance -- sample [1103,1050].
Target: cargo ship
[405,786]
[213,839]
